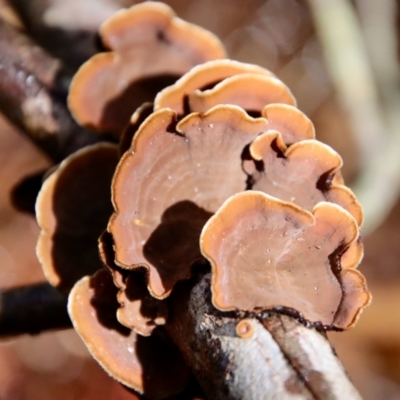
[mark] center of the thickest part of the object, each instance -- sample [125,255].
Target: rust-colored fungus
[244,329]
[72,210]
[355,297]
[301,173]
[294,126]
[203,77]
[149,48]
[267,253]
[289,121]
[183,174]
[107,255]
[354,252]
[249,91]
[138,310]
[195,182]
[152,365]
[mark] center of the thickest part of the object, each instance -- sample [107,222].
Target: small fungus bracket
[301,173]
[267,253]
[150,365]
[137,310]
[72,217]
[249,91]
[201,78]
[289,121]
[149,48]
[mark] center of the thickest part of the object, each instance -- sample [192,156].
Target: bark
[253,356]
[33,88]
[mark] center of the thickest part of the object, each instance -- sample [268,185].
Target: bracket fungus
[301,173]
[223,169]
[289,121]
[137,310]
[248,91]
[148,49]
[204,76]
[152,365]
[183,175]
[244,329]
[72,210]
[185,170]
[266,253]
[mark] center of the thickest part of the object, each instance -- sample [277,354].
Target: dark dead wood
[33,88]
[32,309]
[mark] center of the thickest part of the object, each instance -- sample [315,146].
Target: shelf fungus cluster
[148,48]
[221,169]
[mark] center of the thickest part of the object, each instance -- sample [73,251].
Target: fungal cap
[184,173]
[149,48]
[266,253]
[72,209]
[150,365]
[114,350]
[138,310]
[302,173]
[146,20]
[356,297]
[289,121]
[248,90]
[200,77]
[245,329]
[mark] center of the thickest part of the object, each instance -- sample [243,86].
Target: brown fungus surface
[183,174]
[73,209]
[200,78]
[137,310]
[301,173]
[245,329]
[266,253]
[249,91]
[150,365]
[289,121]
[354,252]
[355,297]
[149,48]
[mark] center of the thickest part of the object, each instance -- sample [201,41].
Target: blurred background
[340,59]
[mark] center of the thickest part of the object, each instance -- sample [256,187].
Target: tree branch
[32,309]
[267,355]
[233,355]
[33,89]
